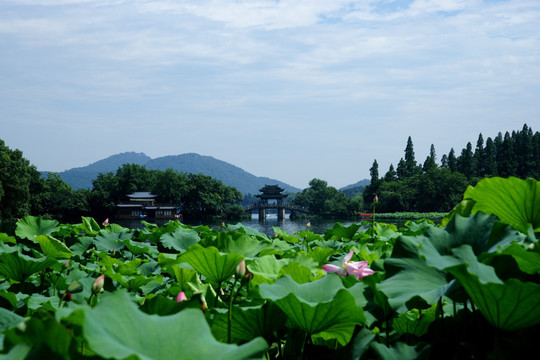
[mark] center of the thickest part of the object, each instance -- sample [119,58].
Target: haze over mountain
[81,177]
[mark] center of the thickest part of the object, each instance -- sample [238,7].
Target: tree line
[24,191]
[430,186]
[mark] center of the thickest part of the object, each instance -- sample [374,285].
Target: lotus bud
[181,297]
[97,285]
[241,268]
[308,224]
[375,199]
[106,222]
[75,287]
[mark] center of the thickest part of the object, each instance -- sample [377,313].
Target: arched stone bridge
[261,207]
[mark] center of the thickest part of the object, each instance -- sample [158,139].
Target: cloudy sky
[290,89]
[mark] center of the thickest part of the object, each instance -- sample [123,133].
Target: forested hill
[81,177]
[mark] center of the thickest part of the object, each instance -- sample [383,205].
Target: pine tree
[430,163]
[507,165]
[452,161]
[390,174]
[480,157]
[444,161]
[411,167]
[401,170]
[490,158]
[466,162]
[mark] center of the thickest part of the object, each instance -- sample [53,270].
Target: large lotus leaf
[89,225]
[528,261]
[83,244]
[138,248]
[245,245]
[297,272]
[211,264]
[5,238]
[415,272]
[29,227]
[340,232]
[180,239]
[508,305]
[319,305]
[414,285]
[115,328]
[9,319]
[515,201]
[249,322]
[53,247]
[265,269]
[321,255]
[399,351]
[18,267]
[109,241]
[246,229]
[415,322]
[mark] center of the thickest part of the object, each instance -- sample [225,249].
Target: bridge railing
[274,206]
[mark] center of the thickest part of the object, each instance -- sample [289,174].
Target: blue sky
[292,90]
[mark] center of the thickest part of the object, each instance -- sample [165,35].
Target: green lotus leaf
[527,261]
[83,244]
[180,239]
[416,275]
[138,248]
[415,322]
[53,247]
[265,269]
[9,319]
[211,264]
[515,201]
[321,255]
[247,230]
[340,232]
[109,241]
[18,267]
[245,245]
[319,305]
[249,322]
[297,272]
[399,351]
[5,238]
[30,226]
[508,305]
[115,328]
[89,225]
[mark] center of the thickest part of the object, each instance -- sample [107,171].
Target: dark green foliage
[325,200]
[438,188]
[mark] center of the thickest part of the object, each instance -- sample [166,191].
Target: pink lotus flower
[181,297]
[357,268]
[375,199]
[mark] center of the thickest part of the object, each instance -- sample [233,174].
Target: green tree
[490,158]
[480,157]
[324,200]
[465,162]
[452,160]
[411,168]
[431,160]
[390,174]
[59,201]
[17,177]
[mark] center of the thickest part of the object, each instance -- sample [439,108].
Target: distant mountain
[363,183]
[81,177]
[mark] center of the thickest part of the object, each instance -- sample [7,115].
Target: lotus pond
[467,288]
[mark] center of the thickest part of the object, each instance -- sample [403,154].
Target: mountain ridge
[231,175]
